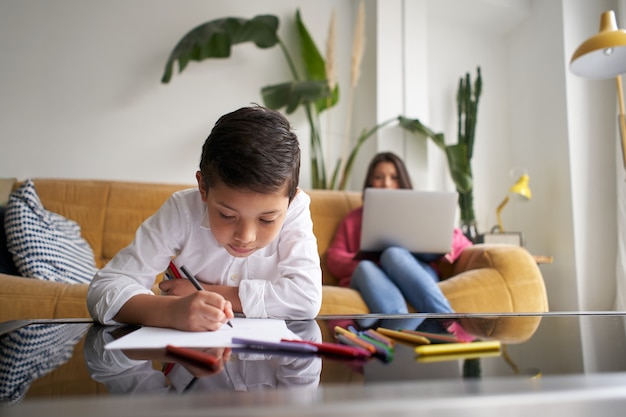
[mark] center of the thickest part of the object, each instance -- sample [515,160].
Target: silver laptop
[420,221]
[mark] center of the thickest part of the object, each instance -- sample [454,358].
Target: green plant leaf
[363,137]
[292,94]
[314,64]
[334,177]
[214,39]
[458,162]
[325,104]
[416,127]
[459,167]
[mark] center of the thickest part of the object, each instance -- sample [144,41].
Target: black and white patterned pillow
[43,244]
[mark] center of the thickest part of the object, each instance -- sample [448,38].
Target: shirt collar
[205,218]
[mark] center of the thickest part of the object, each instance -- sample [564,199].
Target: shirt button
[234,277]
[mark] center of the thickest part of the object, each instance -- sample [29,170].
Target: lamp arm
[499,212]
[621,118]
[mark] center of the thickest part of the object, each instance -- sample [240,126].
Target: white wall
[592,135]
[539,133]
[457,47]
[535,115]
[80,86]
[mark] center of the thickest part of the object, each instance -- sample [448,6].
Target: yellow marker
[407,337]
[343,331]
[456,356]
[455,348]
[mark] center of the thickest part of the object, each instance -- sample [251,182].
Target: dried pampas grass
[358,45]
[330,52]
[358,49]
[331,73]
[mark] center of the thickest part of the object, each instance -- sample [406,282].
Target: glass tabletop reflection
[68,357]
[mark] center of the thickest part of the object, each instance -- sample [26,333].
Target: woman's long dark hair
[404,181]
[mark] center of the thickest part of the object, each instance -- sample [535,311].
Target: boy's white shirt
[282,280]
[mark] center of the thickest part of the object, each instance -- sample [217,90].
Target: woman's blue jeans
[399,278]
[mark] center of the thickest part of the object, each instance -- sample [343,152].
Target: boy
[246,233]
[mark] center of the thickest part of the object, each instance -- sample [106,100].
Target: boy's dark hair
[252,148]
[404,180]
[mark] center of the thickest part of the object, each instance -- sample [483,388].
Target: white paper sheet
[270,330]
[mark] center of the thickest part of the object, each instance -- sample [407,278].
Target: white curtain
[620,267]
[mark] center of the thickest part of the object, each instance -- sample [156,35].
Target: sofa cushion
[44,244]
[328,208]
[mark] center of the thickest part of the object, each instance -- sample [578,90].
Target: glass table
[574,362]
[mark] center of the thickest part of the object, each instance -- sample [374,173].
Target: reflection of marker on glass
[196,284]
[352,341]
[197,356]
[334,348]
[282,346]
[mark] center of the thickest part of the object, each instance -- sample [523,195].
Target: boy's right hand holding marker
[201,311]
[196,312]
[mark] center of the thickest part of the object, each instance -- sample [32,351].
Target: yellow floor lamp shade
[603,56]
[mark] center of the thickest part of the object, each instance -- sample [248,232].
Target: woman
[399,276]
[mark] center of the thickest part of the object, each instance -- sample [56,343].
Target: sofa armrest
[23,298]
[491,278]
[341,301]
[30,298]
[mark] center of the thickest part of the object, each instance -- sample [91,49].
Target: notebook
[420,221]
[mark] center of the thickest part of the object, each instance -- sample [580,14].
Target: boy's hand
[179,287]
[200,311]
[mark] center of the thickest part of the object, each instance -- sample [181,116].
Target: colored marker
[196,284]
[407,337]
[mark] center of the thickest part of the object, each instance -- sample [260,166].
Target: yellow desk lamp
[603,56]
[521,189]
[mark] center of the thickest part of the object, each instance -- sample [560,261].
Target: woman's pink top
[340,254]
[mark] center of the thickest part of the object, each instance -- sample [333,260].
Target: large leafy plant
[214,39]
[313,92]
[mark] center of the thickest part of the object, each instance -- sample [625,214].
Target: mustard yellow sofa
[486,278]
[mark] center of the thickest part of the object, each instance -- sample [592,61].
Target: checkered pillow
[43,244]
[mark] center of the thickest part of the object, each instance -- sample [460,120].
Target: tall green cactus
[467,107]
